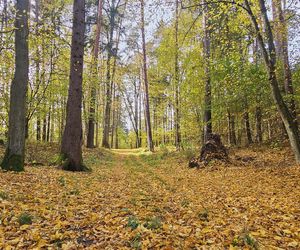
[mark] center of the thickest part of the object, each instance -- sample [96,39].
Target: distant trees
[269,55]
[15,152]
[72,137]
[213,65]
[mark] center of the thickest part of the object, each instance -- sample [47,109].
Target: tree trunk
[146,84]
[107,112]
[206,53]
[231,129]
[45,129]
[113,115]
[177,84]
[15,152]
[48,125]
[248,128]
[72,138]
[38,128]
[258,124]
[92,113]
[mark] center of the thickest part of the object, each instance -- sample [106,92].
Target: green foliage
[62,181]
[245,240]
[25,219]
[189,153]
[136,241]
[133,222]
[3,195]
[203,215]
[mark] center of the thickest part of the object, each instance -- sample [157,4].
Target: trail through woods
[135,200]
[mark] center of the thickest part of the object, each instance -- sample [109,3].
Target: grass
[4,195]
[25,219]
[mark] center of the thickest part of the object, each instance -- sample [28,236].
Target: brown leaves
[170,206]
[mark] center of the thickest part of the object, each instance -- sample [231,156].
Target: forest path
[139,200]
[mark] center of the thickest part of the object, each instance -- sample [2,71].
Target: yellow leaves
[293,244]
[260,232]
[286,231]
[41,243]
[206,230]
[277,237]
[24,227]
[57,236]
[195,209]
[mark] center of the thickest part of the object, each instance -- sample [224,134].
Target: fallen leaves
[132,202]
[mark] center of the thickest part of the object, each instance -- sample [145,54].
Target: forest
[149,124]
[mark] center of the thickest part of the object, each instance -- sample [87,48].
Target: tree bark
[92,113]
[107,112]
[231,129]
[177,84]
[206,55]
[38,128]
[72,138]
[258,124]
[146,84]
[247,127]
[15,152]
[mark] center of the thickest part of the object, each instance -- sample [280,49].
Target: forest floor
[137,200]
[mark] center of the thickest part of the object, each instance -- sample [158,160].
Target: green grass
[25,219]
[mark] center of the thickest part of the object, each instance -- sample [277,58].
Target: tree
[72,138]
[206,55]
[146,84]
[91,124]
[113,12]
[15,152]
[281,46]
[269,55]
[177,84]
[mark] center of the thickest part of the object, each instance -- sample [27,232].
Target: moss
[69,165]
[12,162]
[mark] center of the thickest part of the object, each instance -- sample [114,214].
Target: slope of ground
[133,200]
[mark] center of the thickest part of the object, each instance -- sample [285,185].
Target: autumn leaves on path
[136,200]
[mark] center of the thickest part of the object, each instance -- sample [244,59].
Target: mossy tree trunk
[15,152]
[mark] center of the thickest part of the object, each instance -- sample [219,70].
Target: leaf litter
[133,200]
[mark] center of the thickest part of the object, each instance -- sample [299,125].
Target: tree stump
[213,149]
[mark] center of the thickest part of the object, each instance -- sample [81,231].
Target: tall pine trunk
[206,54]
[72,138]
[177,85]
[146,84]
[92,113]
